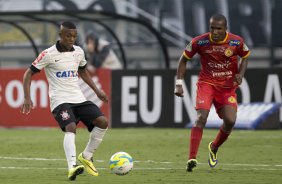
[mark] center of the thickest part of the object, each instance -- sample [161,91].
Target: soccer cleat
[88,164]
[76,170]
[212,157]
[191,164]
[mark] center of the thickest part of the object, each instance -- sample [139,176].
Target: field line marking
[138,161]
[138,168]
[23,158]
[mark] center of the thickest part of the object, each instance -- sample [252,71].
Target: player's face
[218,30]
[68,37]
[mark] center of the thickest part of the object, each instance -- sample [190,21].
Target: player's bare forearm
[181,69]
[178,91]
[27,104]
[243,66]
[27,82]
[84,74]
[242,69]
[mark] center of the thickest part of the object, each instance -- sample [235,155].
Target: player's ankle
[213,148]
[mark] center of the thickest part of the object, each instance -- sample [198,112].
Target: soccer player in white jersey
[63,62]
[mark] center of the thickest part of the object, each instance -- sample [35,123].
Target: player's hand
[178,91]
[238,79]
[27,106]
[102,96]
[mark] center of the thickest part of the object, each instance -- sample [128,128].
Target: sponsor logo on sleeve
[203,42]
[234,42]
[39,58]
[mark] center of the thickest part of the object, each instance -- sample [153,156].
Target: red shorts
[208,94]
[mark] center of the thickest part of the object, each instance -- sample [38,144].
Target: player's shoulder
[202,37]
[77,48]
[46,51]
[51,49]
[234,40]
[232,36]
[201,40]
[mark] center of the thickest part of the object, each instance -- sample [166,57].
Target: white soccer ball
[121,163]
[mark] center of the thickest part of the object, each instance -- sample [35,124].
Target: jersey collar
[220,42]
[59,48]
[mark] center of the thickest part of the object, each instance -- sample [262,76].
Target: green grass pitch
[36,156]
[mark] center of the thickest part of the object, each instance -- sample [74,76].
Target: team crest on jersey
[245,47]
[232,99]
[65,115]
[228,52]
[189,47]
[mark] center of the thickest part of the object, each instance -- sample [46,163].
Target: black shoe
[191,164]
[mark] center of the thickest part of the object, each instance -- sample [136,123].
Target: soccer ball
[121,163]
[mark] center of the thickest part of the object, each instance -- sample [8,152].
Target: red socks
[220,138]
[195,139]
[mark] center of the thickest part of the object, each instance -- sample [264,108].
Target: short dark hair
[220,17]
[68,25]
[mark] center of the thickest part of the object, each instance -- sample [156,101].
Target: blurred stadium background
[148,36]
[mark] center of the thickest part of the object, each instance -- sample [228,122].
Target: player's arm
[39,63]
[27,104]
[181,69]
[84,74]
[242,69]
[244,53]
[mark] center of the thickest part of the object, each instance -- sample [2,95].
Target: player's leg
[66,119]
[197,132]
[203,104]
[228,114]
[96,136]
[196,137]
[226,105]
[95,139]
[97,125]
[69,144]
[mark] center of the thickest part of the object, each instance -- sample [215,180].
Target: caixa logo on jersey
[66,74]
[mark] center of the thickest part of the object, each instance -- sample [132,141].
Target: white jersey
[61,70]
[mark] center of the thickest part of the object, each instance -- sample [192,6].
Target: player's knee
[101,122]
[104,124]
[70,128]
[201,121]
[229,122]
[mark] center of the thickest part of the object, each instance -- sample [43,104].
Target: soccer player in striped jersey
[220,75]
[62,63]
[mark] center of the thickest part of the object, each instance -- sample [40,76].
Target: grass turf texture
[160,155]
